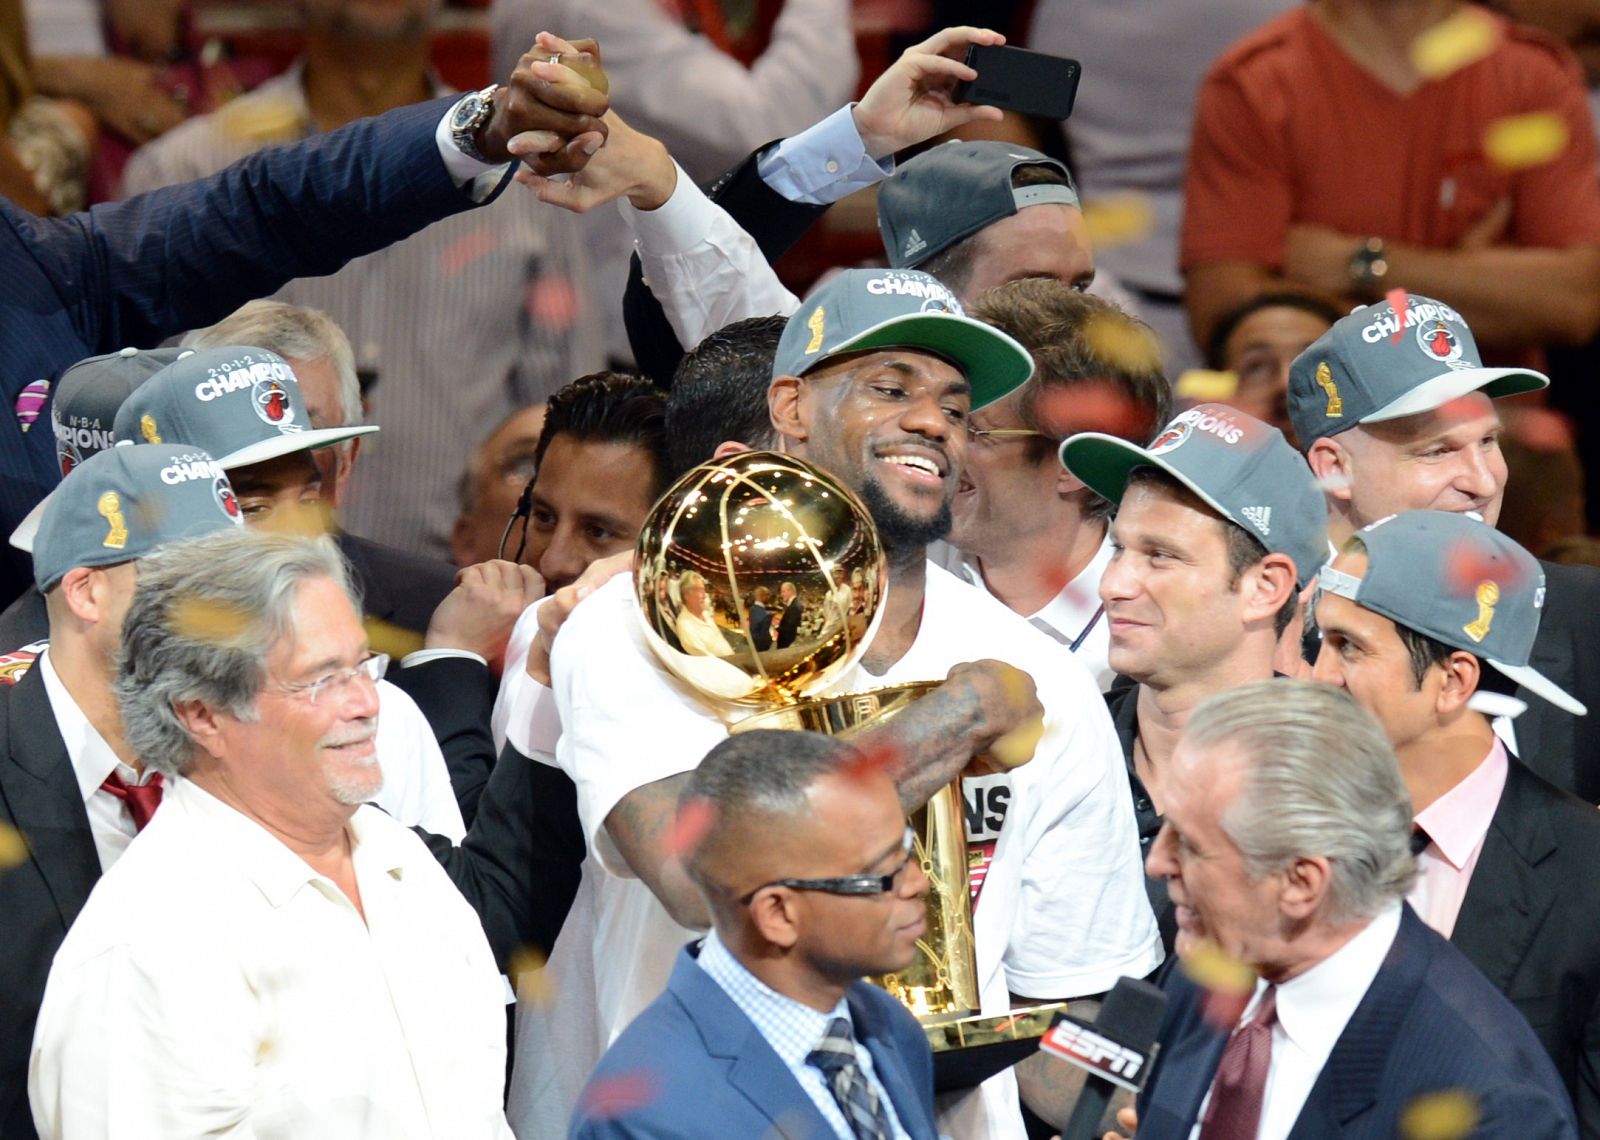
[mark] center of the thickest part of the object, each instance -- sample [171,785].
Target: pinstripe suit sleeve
[135,272]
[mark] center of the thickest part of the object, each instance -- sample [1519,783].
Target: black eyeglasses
[846,884]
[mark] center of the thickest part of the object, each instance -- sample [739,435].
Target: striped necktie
[836,1057]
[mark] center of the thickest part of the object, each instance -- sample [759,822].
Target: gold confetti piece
[1517,142]
[1016,747]
[13,847]
[531,979]
[1205,385]
[260,121]
[396,641]
[1209,967]
[1118,219]
[303,520]
[1454,43]
[1447,1115]
[203,620]
[1122,343]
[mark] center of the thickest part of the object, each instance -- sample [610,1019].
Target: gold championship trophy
[760,525]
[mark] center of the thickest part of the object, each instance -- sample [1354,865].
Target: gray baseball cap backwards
[83,409]
[241,404]
[1460,582]
[122,503]
[1373,366]
[864,309]
[950,192]
[1240,467]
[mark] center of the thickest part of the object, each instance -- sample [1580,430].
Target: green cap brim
[994,364]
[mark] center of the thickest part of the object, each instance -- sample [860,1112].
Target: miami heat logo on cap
[225,498]
[69,458]
[1169,439]
[1438,341]
[271,401]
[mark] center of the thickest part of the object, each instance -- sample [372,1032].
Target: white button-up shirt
[214,984]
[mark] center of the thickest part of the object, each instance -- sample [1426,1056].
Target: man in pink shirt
[1411,610]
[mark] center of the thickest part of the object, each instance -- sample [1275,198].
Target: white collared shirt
[1313,1009]
[214,984]
[110,823]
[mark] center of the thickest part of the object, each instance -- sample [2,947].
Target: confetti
[1016,747]
[1398,301]
[884,757]
[526,969]
[1122,343]
[1447,1115]
[1454,43]
[256,122]
[1118,219]
[1517,142]
[1206,385]
[1091,405]
[201,619]
[610,1097]
[462,252]
[396,641]
[1208,966]
[13,847]
[1468,566]
[553,302]
[694,820]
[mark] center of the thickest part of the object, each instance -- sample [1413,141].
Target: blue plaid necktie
[836,1057]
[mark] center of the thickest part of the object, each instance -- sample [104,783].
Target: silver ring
[555,58]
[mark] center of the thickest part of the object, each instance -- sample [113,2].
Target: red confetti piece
[694,820]
[1397,301]
[553,302]
[1223,1010]
[873,759]
[611,1097]
[464,251]
[1468,565]
[1093,405]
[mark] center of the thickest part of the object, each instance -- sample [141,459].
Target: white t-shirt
[1062,913]
[214,984]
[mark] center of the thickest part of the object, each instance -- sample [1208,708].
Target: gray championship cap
[241,404]
[122,503]
[950,192]
[84,408]
[1240,467]
[1460,582]
[1372,365]
[865,309]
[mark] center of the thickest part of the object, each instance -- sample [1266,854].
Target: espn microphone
[1115,1051]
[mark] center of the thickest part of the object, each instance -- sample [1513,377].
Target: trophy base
[968,1051]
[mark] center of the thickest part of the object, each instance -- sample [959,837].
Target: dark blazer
[397,586]
[456,695]
[714,1074]
[1563,748]
[24,621]
[789,624]
[1530,922]
[139,271]
[771,219]
[42,895]
[1429,1022]
[760,627]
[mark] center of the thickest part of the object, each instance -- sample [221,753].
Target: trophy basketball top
[760,579]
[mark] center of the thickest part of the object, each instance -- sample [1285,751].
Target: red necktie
[1241,1081]
[142,799]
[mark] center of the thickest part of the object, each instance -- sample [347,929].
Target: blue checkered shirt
[793,1030]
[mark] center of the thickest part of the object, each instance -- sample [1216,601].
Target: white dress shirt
[93,761]
[215,985]
[1313,1009]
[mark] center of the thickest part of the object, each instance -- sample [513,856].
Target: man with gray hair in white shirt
[275,957]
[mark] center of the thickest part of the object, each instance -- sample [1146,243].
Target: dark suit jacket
[714,1074]
[1429,1022]
[771,219]
[1563,748]
[40,897]
[789,624]
[1530,922]
[397,586]
[139,271]
[760,627]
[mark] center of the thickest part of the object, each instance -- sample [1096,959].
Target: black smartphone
[1015,79]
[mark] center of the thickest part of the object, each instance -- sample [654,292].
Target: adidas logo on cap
[1261,517]
[914,244]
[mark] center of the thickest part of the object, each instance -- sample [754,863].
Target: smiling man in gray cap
[1412,611]
[69,783]
[1219,525]
[1396,412]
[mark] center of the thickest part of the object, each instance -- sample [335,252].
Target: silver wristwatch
[467,119]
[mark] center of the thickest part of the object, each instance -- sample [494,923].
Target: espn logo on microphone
[1085,1046]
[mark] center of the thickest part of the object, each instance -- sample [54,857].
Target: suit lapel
[890,1065]
[1506,902]
[39,787]
[1189,1056]
[754,1069]
[1349,1082]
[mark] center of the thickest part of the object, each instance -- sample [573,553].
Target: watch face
[466,111]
